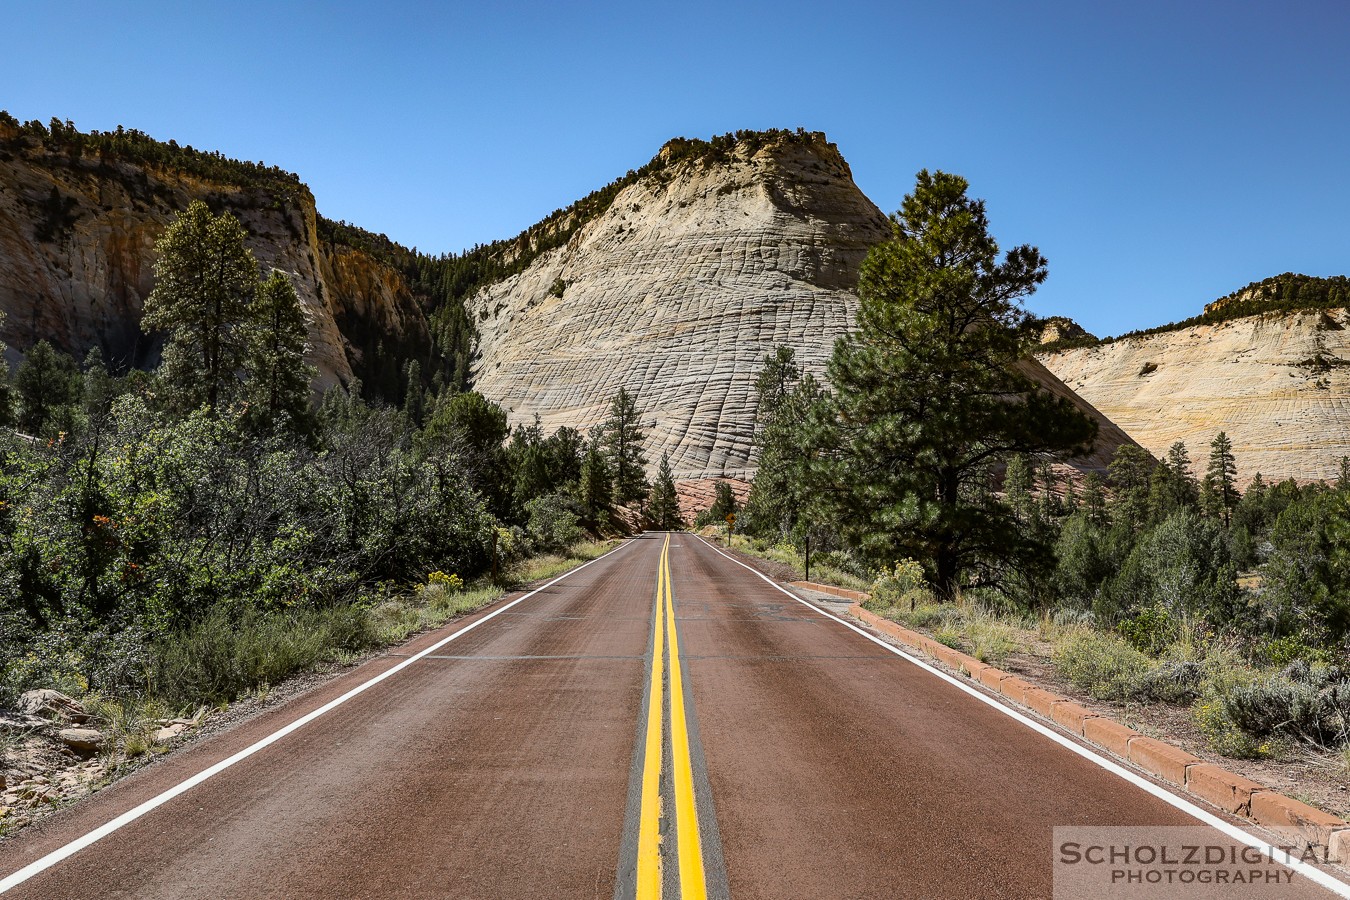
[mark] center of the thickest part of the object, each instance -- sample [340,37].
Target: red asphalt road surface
[499,766]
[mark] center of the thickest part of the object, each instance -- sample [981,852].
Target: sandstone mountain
[678,289]
[674,281]
[77,232]
[1277,383]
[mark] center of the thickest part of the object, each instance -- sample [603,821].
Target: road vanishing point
[664,721]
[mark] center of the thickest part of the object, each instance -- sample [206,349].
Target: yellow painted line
[693,885]
[649,828]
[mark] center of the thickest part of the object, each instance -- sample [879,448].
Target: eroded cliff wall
[77,235]
[1277,384]
[679,290]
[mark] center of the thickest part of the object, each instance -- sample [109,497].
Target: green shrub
[1222,733]
[948,638]
[1279,706]
[1150,629]
[553,524]
[904,584]
[221,656]
[1104,665]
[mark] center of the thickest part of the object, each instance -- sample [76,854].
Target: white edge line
[131,815]
[1272,852]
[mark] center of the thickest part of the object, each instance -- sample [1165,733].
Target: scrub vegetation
[926,466]
[197,534]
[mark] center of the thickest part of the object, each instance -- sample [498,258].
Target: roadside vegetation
[927,468]
[191,536]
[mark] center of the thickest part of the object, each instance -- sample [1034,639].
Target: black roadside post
[808,556]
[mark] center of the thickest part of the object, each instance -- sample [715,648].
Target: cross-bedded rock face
[679,291]
[1277,384]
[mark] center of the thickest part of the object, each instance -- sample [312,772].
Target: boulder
[51,704]
[81,740]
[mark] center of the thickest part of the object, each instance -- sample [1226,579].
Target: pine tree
[100,388]
[929,393]
[7,411]
[594,488]
[724,504]
[277,382]
[1129,472]
[205,281]
[779,497]
[414,397]
[623,447]
[1220,485]
[664,506]
[1018,482]
[1184,489]
[1094,499]
[47,384]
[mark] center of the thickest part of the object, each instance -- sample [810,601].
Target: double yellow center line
[688,847]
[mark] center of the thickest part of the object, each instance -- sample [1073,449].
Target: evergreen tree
[774,382]
[205,282]
[929,394]
[1094,500]
[100,388]
[414,397]
[623,447]
[594,487]
[724,504]
[47,384]
[664,505]
[1220,485]
[277,384]
[1129,472]
[1018,482]
[787,401]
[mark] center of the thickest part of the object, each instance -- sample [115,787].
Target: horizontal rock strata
[1278,385]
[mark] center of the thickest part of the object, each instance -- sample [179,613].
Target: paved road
[549,751]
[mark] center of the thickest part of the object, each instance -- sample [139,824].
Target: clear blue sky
[1160,154]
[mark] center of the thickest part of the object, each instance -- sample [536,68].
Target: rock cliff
[1277,383]
[679,289]
[77,233]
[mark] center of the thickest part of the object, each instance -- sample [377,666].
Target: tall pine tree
[1220,485]
[277,385]
[664,505]
[205,281]
[929,394]
[623,447]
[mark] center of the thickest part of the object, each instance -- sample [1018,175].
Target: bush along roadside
[57,748]
[1107,667]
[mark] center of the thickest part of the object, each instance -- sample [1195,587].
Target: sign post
[731,523]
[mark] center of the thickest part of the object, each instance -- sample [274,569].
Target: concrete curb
[1304,825]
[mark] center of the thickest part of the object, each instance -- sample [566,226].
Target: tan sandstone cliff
[679,290]
[76,258]
[1277,384]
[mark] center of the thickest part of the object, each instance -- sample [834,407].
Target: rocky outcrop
[679,290]
[1061,328]
[77,237]
[1277,384]
[677,293]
